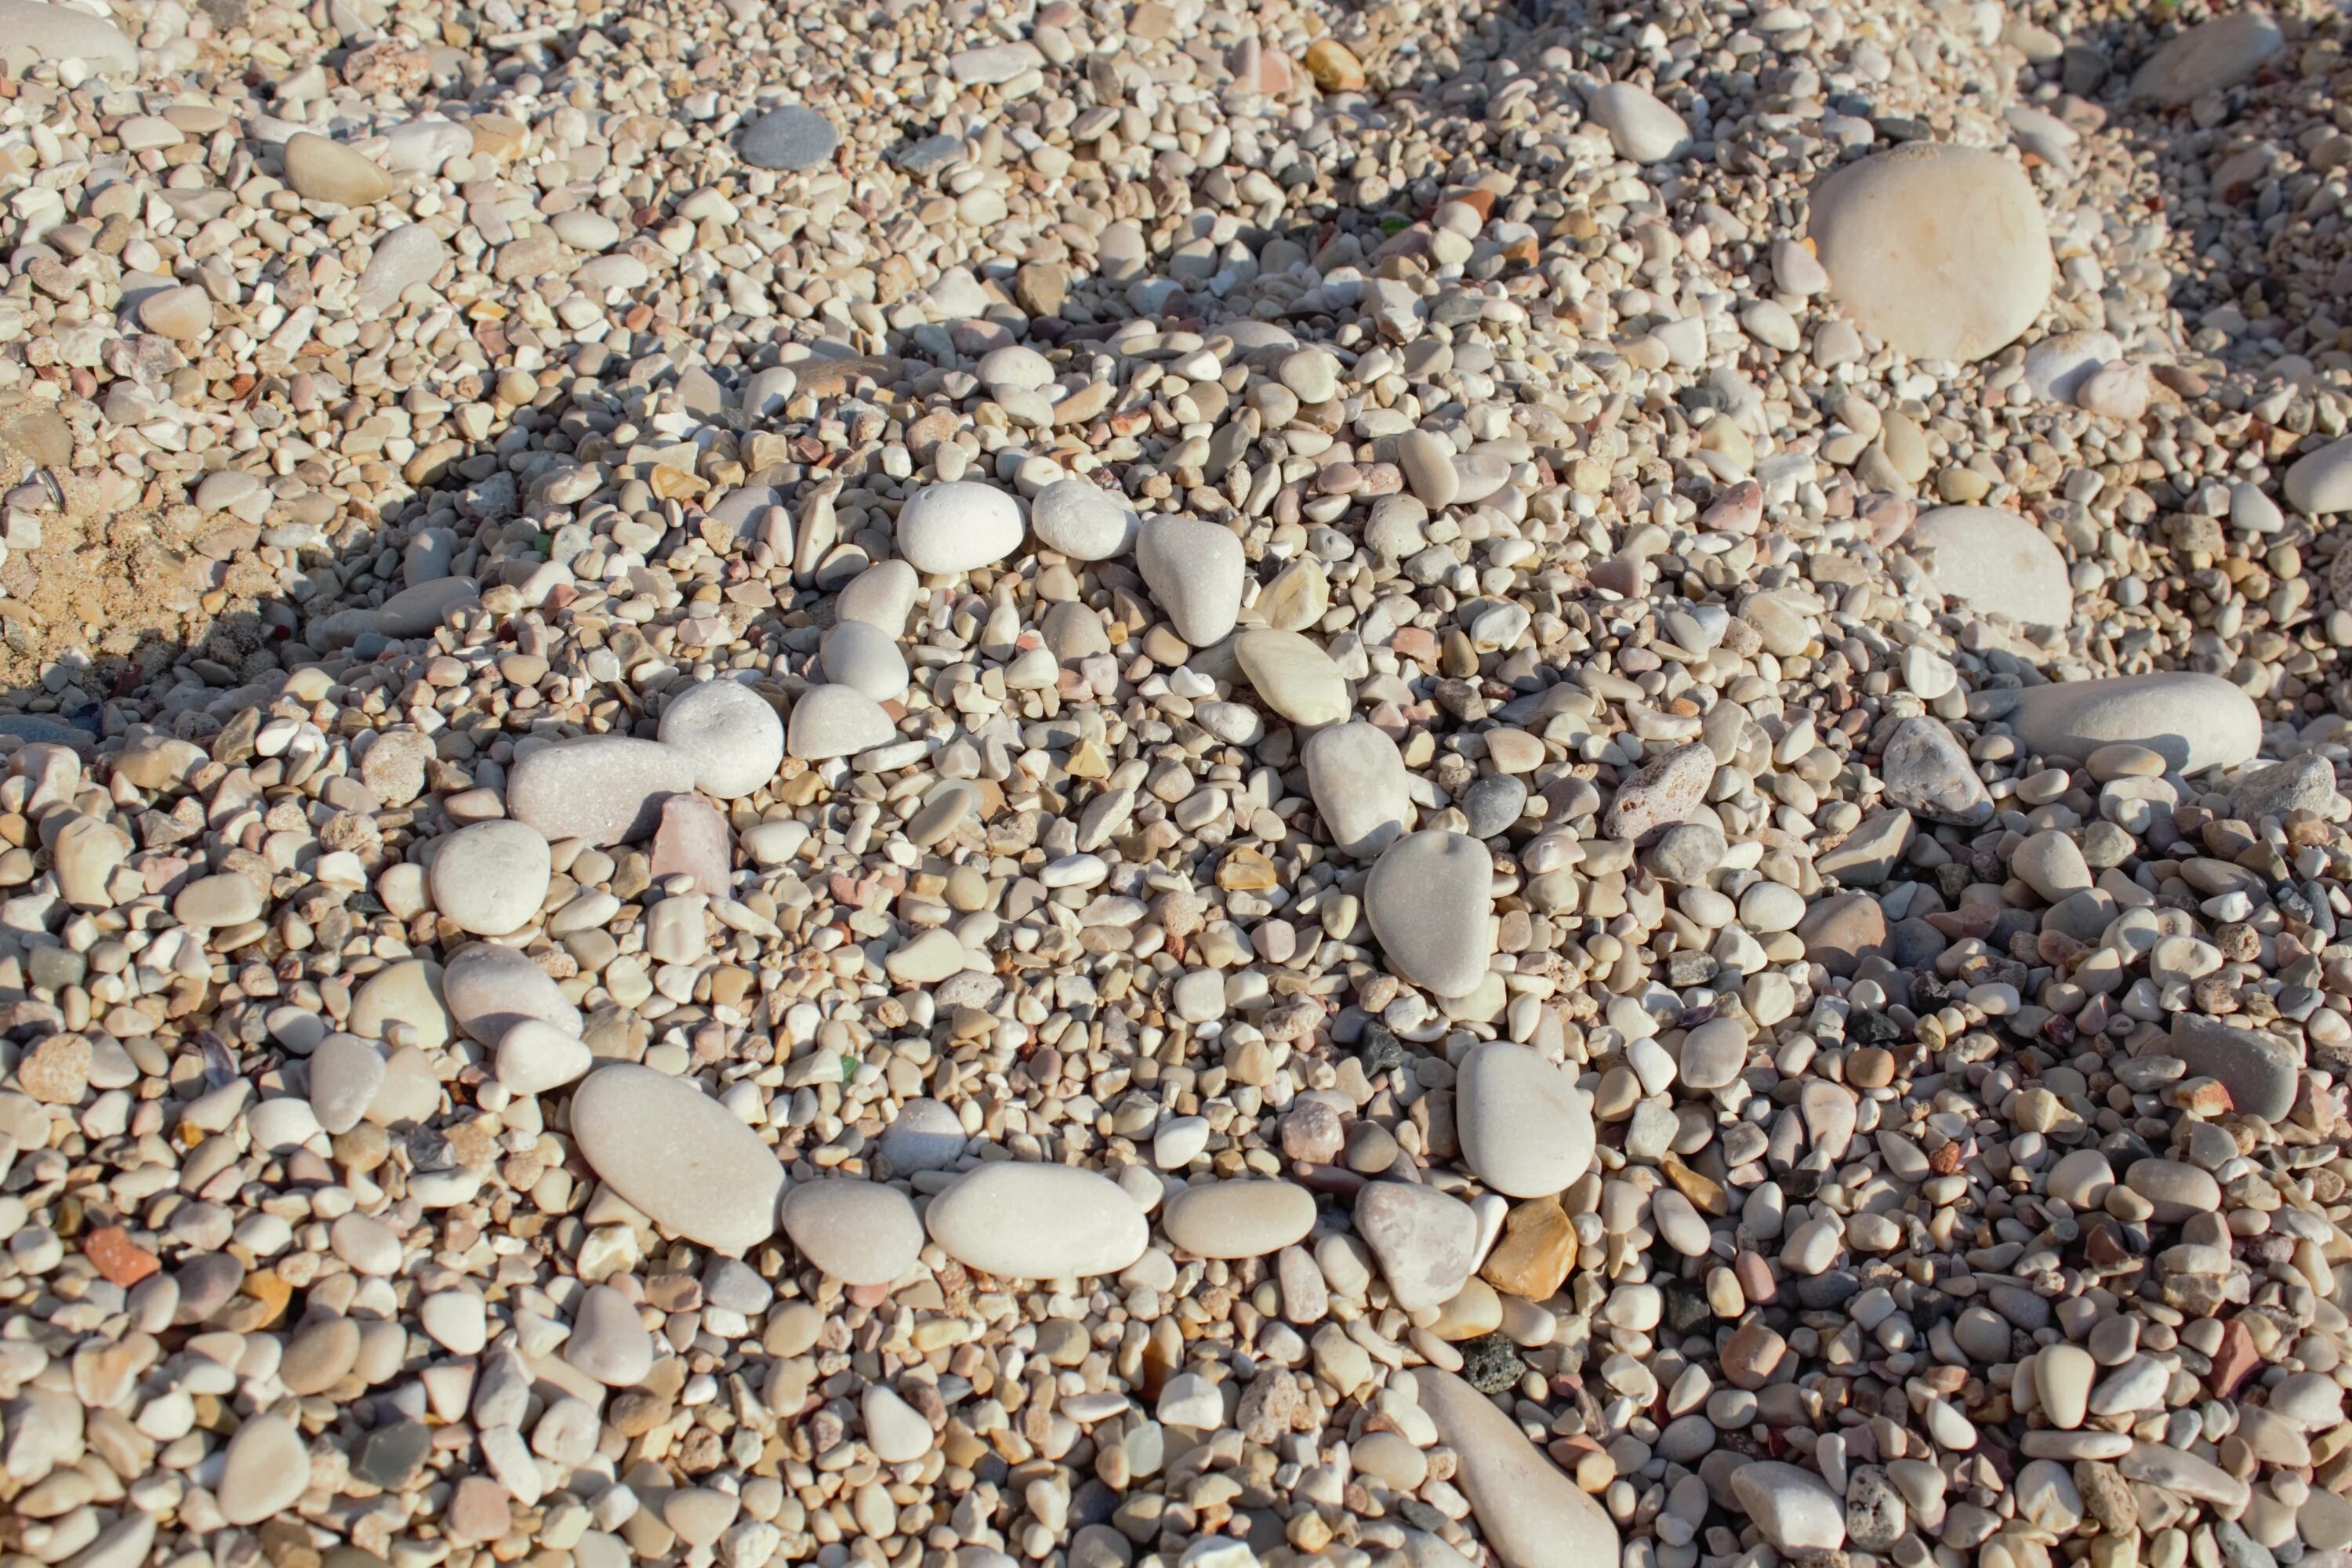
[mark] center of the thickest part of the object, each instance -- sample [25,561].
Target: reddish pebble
[118,1260]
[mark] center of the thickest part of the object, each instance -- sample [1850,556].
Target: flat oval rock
[1296,678]
[1430,900]
[1525,1129]
[2194,721]
[731,733]
[1356,776]
[1245,1218]
[959,527]
[490,879]
[605,789]
[489,989]
[1994,561]
[1938,250]
[266,1468]
[1082,520]
[791,138]
[861,1233]
[1195,569]
[1023,1220]
[686,1161]
[831,722]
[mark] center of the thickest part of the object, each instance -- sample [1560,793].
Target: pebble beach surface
[1146,785]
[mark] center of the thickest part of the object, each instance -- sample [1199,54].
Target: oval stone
[1022,1220]
[1238,1218]
[265,1468]
[1940,250]
[731,733]
[1356,776]
[492,877]
[1082,520]
[2194,721]
[489,989]
[1994,561]
[1430,900]
[1525,1129]
[1195,569]
[1531,1515]
[861,1233]
[686,1161]
[958,527]
[607,789]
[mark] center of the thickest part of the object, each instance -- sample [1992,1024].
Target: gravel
[1152,787]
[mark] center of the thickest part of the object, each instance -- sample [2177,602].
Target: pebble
[2260,1071]
[1195,569]
[1020,1220]
[492,877]
[1525,1129]
[894,1430]
[264,1468]
[488,989]
[861,1233]
[324,171]
[729,732]
[56,33]
[1639,126]
[609,1341]
[1792,1507]
[1238,1218]
[959,527]
[1430,898]
[678,1155]
[1996,562]
[1531,1514]
[791,138]
[1082,520]
[1937,249]
[535,1055]
[604,789]
[830,721]
[2207,58]
[1426,1242]
[2194,721]
[2319,483]
[1295,678]
[1357,777]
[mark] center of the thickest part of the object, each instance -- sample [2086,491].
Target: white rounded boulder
[1940,250]
[958,527]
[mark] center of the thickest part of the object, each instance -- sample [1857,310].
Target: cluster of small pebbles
[1479,784]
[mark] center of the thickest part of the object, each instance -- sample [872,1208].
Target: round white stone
[861,1233]
[1525,1129]
[1356,776]
[678,1155]
[836,722]
[958,527]
[535,1055]
[1641,127]
[2319,483]
[1195,569]
[1940,249]
[490,879]
[866,659]
[731,731]
[1430,900]
[1996,562]
[2195,722]
[1082,520]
